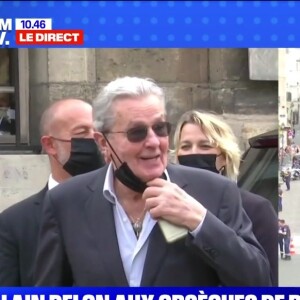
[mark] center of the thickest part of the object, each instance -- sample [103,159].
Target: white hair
[121,88]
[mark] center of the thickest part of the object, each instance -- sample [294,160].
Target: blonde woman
[204,141]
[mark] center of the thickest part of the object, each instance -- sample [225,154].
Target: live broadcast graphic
[37,32]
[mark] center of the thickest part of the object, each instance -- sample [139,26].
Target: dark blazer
[265,227]
[19,227]
[78,242]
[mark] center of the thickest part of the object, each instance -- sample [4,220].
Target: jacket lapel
[99,212]
[158,246]
[157,249]
[38,204]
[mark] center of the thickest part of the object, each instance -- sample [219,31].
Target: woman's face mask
[201,161]
[196,150]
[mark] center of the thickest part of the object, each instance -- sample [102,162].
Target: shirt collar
[52,182]
[108,187]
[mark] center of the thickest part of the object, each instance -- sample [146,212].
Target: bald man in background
[67,137]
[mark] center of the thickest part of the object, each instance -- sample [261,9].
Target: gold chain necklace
[137,224]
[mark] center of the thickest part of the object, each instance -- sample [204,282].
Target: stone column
[38,90]
[57,74]
[72,73]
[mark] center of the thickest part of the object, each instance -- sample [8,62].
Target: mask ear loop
[61,140]
[112,150]
[222,170]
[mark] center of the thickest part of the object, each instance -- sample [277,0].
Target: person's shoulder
[80,183]
[253,196]
[23,207]
[195,174]
[190,170]
[256,200]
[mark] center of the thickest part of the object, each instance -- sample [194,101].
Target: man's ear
[100,140]
[47,145]
[103,146]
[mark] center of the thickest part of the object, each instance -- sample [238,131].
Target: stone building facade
[209,79]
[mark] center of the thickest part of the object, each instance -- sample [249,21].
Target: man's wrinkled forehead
[139,117]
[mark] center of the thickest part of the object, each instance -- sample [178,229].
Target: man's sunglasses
[139,133]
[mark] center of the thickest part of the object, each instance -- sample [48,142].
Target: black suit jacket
[78,242]
[265,227]
[19,228]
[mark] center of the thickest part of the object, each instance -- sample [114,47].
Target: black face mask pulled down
[85,157]
[201,161]
[125,175]
[129,179]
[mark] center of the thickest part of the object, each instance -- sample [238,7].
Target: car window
[259,173]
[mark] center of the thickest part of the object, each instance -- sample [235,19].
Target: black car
[259,167]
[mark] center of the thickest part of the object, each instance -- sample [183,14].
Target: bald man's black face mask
[84,157]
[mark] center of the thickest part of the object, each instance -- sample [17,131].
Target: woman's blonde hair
[218,133]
